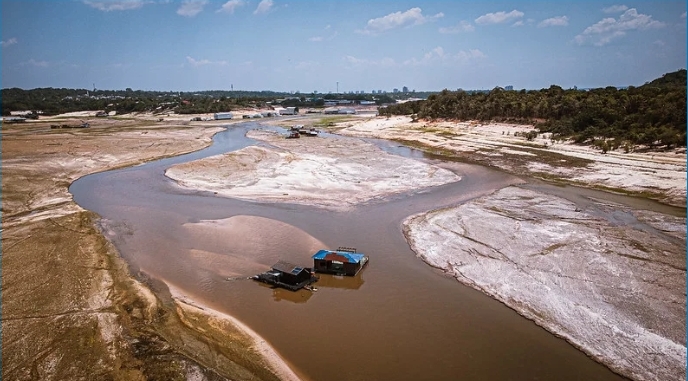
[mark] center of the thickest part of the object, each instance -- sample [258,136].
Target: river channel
[399,319]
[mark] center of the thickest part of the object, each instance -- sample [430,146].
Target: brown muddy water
[399,319]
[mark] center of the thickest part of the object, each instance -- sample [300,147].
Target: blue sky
[309,46]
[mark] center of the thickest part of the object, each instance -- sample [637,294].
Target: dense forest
[653,114]
[51,101]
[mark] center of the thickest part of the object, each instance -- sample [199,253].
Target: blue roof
[342,256]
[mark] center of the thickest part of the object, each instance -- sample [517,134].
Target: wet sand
[603,343]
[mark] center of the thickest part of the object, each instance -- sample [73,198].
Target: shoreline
[68,153]
[569,271]
[273,359]
[601,351]
[63,280]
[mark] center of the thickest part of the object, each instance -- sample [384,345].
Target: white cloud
[498,17]
[264,6]
[608,29]
[191,8]
[9,42]
[122,5]
[385,62]
[413,16]
[316,39]
[463,26]
[683,15]
[471,54]
[518,23]
[439,56]
[231,6]
[615,9]
[197,63]
[33,62]
[554,21]
[659,43]
[436,56]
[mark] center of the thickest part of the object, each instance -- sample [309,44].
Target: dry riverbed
[607,278]
[71,310]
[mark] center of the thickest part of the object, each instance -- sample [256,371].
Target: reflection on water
[410,323]
[300,296]
[340,281]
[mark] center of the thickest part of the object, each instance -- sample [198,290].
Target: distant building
[222,115]
[395,90]
[508,88]
[289,111]
[404,89]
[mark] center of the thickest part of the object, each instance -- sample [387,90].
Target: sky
[329,46]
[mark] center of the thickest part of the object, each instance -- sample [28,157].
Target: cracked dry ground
[71,311]
[609,279]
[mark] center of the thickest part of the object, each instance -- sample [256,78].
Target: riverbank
[55,298]
[609,279]
[71,309]
[659,175]
[332,173]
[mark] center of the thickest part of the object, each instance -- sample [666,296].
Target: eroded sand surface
[331,173]
[248,234]
[70,309]
[661,175]
[602,277]
[609,279]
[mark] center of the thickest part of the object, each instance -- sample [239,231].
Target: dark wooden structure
[287,275]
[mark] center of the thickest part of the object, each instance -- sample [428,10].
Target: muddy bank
[328,172]
[608,279]
[660,175]
[71,310]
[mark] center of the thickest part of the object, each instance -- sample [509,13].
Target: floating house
[287,275]
[343,261]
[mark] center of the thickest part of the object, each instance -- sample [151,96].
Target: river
[399,319]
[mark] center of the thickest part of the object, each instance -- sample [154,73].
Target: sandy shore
[624,304]
[609,279]
[658,175]
[71,309]
[600,277]
[330,173]
[277,364]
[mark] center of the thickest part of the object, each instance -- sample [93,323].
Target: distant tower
[232,85]
[94,87]
[337,87]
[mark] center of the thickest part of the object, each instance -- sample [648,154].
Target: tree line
[653,114]
[52,101]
